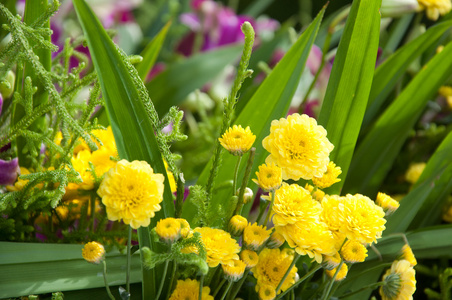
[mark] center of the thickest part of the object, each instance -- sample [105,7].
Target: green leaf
[381,145]
[350,82]
[29,268]
[124,97]
[390,72]
[173,85]
[151,52]
[271,101]
[423,205]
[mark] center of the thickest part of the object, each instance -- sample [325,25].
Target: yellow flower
[102,160]
[168,230]
[248,195]
[269,177]
[386,202]
[446,92]
[267,292]
[220,246]
[254,236]
[188,289]
[299,146]
[237,224]
[103,138]
[353,251]
[80,162]
[312,239]
[414,172]
[407,254]
[294,204]
[329,177]
[340,275]
[20,183]
[435,8]
[355,216]
[250,258]
[400,281]
[271,268]
[171,179]
[235,271]
[316,193]
[237,140]
[331,262]
[93,252]
[131,191]
[275,241]
[185,227]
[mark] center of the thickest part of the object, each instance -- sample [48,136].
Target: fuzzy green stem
[246,177]
[129,247]
[370,286]
[269,212]
[173,277]
[227,290]
[299,281]
[236,171]
[162,282]
[326,293]
[294,261]
[229,106]
[107,287]
[201,282]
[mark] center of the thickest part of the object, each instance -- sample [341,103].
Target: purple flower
[9,169]
[1,103]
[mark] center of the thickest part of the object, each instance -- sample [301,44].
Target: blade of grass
[350,82]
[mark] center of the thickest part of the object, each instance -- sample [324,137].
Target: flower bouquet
[175,150]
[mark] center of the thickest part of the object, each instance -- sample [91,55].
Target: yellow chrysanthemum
[275,241]
[400,281]
[168,230]
[235,271]
[271,268]
[250,258]
[355,216]
[171,179]
[353,251]
[188,289]
[386,202]
[313,239]
[269,177]
[329,178]
[299,146]
[316,193]
[407,254]
[237,224]
[267,292]
[435,8]
[254,236]
[220,246]
[446,92]
[294,204]
[93,252]
[414,172]
[132,192]
[184,227]
[331,262]
[80,162]
[237,140]
[103,160]
[340,275]
[103,138]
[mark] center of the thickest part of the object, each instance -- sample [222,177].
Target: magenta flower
[9,169]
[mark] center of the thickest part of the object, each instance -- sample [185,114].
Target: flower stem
[173,276]
[129,246]
[326,293]
[370,286]
[294,261]
[269,212]
[93,209]
[201,282]
[299,281]
[179,196]
[227,290]
[219,287]
[238,285]
[236,171]
[246,177]
[105,280]
[163,279]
